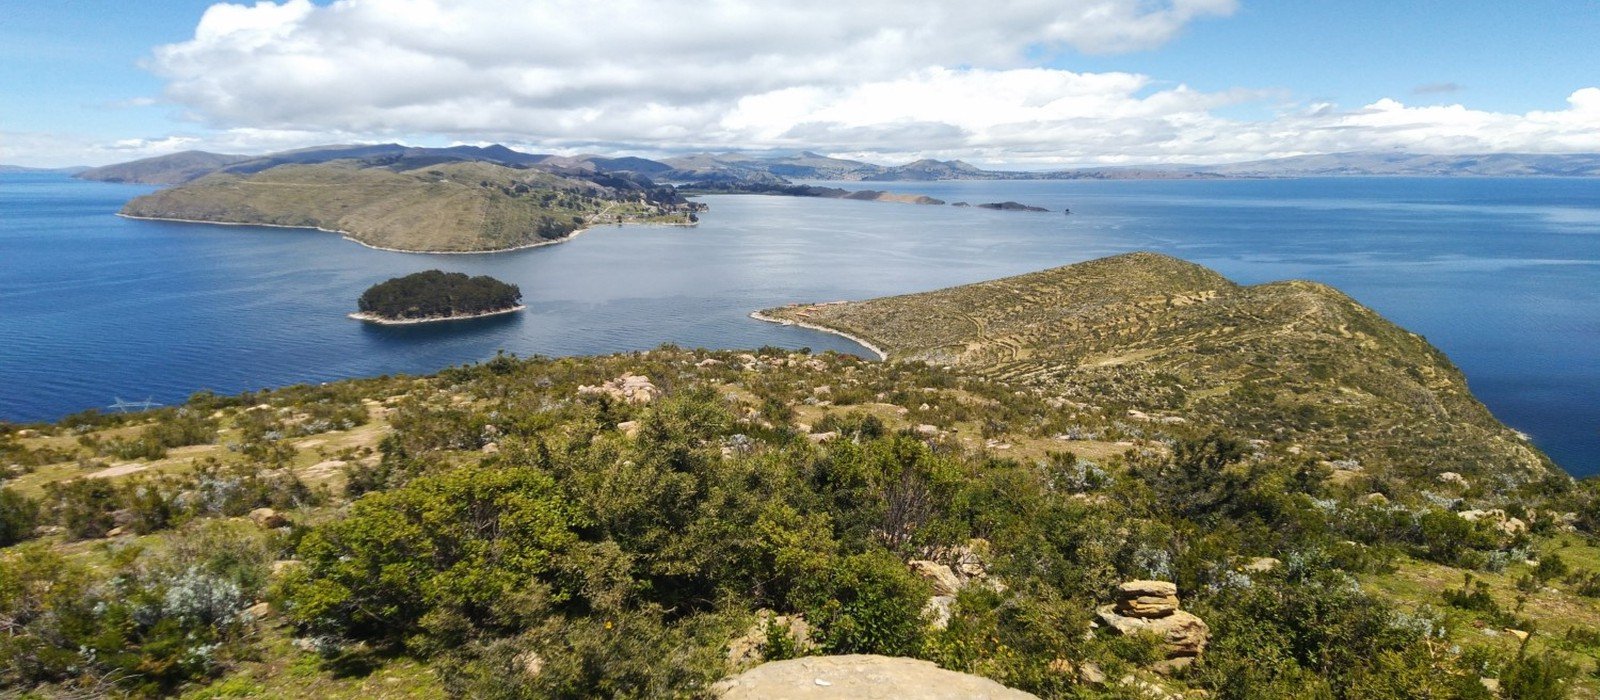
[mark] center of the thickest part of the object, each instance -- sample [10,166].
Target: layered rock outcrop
[1152,607]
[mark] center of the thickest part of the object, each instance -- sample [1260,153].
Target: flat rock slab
[860,676]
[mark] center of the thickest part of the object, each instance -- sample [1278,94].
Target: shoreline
[882,356]
[349,237]
[382,320]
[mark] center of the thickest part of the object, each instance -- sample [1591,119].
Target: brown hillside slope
[1168,340]
[444,207]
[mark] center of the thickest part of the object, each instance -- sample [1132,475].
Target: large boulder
[1151,607]
[860,676]
[630,388]
[1184,634]
[269,518]
[943,580]
[1498,518]
[1147,599]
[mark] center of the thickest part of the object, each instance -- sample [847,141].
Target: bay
[1502,274]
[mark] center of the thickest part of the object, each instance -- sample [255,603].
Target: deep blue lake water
[1504,275]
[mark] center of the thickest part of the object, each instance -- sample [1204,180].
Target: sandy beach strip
[369,318]
[757,315]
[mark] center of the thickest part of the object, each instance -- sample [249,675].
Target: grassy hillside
[1294,363]
[640,525]
[453,206]
[172,169]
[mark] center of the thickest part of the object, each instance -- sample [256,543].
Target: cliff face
[1295,362]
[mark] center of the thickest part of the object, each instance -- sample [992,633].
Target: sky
[1024,83]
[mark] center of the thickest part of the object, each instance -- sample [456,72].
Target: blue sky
[82,82]
[1505,56]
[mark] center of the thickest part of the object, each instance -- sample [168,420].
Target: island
[435,295]
[1010,206]
[724,186]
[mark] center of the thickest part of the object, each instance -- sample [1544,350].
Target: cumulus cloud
[59,149]
[884,78]
[626,71]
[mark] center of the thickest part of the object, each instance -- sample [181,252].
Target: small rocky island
[435,295]
[1010,206]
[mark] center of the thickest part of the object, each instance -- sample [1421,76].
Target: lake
[1502,274]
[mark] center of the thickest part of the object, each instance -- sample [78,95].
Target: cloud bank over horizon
[886,81]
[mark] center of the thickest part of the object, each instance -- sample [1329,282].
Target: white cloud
[882,79]
[632,71]
[61,149]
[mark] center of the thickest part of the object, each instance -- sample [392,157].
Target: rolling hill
[1289,362]
[173,169]
[417,202]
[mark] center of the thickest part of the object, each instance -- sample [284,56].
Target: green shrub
[459,542]
[631,654]
[18,516]
[1316,629]
[1551,567]
[867,604]
[1544,676]
[82,506]
[144,627]
[186,427]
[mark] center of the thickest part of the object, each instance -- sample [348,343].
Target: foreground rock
[629,388]
[860,676]
[1151,607]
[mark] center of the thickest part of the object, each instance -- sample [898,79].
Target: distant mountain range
[1418,165]
[73,170]
[813,166]
[725,169]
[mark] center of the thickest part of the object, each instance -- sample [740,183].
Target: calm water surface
[1504,275]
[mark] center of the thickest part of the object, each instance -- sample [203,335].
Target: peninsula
[1157,338]
[422,204]
[435,295]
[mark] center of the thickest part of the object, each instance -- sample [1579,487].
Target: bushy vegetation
[438,294]
[146,623]
[528,539]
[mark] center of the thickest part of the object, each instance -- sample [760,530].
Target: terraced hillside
[1169,341]
[418,205]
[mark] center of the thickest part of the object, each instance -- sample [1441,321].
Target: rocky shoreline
[757,315]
